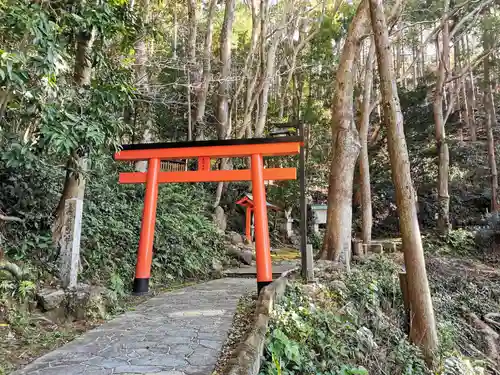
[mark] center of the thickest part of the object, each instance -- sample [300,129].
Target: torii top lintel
[280,146]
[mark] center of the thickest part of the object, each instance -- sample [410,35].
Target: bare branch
[11,218]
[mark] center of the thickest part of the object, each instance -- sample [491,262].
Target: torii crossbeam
[256,149]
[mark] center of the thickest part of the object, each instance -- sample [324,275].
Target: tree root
[13,269]
[492,319]
[491,338]
[10,218]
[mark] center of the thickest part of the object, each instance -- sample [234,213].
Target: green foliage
[458,242]
[38,93]
[185,242]
[340,328]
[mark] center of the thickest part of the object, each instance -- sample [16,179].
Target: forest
[399,101]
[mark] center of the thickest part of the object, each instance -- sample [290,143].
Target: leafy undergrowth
[460,288]
[28,336]
[353,323]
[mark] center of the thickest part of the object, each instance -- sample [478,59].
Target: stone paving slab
[251,271]
[176,333]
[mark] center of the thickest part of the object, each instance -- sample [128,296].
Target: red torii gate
[255,148]
[248,202]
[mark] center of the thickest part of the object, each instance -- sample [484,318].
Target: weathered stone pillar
[70,242]
[309,264]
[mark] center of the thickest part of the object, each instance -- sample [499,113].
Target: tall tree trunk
[345,145]
[443,223]
[202,93]
[415,67]
[222,110]
[463,87]
[250,80]
[423,327]
[490,120]
[143,111]
[192,68]
[268,66]
[422,51]
[364,165]
[77,164]
[175,32]
[471,97]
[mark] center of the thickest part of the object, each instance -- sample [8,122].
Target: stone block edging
[247,357]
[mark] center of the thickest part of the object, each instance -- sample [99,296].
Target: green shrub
[342,328]
[185,244]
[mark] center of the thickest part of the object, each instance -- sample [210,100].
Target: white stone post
[70,242]
[316,228]
[309,264]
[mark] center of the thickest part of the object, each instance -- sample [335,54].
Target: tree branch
[11,218]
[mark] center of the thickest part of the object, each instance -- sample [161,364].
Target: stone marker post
[310,264]
[70,242]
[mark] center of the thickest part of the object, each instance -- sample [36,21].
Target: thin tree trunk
[222,110]
[268,57]
[443,223]
[490,123]
[364,165]
[422,51]
[423,327]
[471,97]
[345,146]
[144,115]
[415,68]
[174,41]
[192,76]
[202,93]
[77,164]
[463,86]
[249,79]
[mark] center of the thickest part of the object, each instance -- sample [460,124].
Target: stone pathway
[177,333]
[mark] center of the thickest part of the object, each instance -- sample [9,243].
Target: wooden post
[303,208]
[310,265]
[248,224]
[357,247]
[70,242]
[403,283]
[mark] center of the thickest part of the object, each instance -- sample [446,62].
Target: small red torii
[248,202]
[255,148]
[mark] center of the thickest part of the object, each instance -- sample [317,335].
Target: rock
[376,248]
[338,285]
[235,238]
[50,299]
[324,264]
[365,337]
[220,218]
[244,256]
[295,241]
[247,257]
[390,247]
[86,301]
[399,247]
[217,267]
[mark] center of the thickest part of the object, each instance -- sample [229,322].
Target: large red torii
[255,148]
